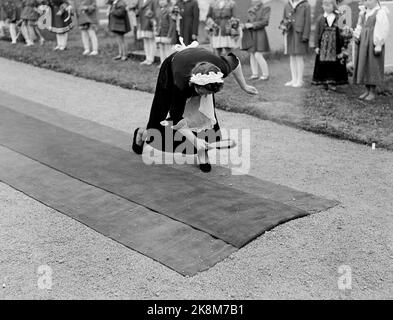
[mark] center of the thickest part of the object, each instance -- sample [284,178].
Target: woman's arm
[239,76]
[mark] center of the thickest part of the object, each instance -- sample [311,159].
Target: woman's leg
[162,52]
[13,32]
[85,41]
[38,33]
[293,66]
[123,47]
[262,64]
[26,33]
[152,50]
[372,93]
[254,66]
[94,41]
[299,71]
[365,93]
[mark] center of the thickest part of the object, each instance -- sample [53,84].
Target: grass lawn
[338,114]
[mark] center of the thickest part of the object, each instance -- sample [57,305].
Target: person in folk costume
[146,17]
[218,21]
[371,34]
[189,24]
[330,65]
[86,14]
[182,116]
[258,20]
[166,29]
[119,24]
[61,21]
[296,26]
[29,15]
[10,11]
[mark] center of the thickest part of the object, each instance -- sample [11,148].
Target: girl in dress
[29,16]
[119,24]
[166,29]
[10,10]
[296,25]
[330,65]
[371,34]
[218,22]
[182,117]
[61,22]
[258,19]
[146,10]
[86,13]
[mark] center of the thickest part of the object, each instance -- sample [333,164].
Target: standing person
[119,24]
[218,22]
[166,29]
[61,22]
[185,90]
[11,14]
[29,16]
[258,20]
[146,15]
[372,32]
[189,24]
[329,69]
[296,25]
[86,14]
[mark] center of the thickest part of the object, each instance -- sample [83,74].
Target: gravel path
[299,259]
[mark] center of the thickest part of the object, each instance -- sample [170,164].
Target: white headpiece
[204,79]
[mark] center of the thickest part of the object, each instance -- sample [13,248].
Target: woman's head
[163,3]
[256,2]
[329,6]
[370,4]
[206,78]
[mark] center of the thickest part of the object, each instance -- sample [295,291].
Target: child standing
[86,13]
[29,16]
[119,24]
[258,19]
[166,29]
[146,11]
[329,69]
[370,52]
[11,14]
[61,22]
[296,25]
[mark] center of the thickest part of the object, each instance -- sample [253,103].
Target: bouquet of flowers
[212,28]
[286,24]
[233,27]
[346,34]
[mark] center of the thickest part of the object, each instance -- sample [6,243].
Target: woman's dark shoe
[135,147]
[205,167]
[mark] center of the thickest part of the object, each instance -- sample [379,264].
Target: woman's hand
[250,89]
[249,25]
[317,50]
[200,145]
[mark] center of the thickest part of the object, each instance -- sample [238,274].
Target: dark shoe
[117,58]
[205,167]
[135,147]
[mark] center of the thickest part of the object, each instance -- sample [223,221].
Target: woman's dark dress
[173,91]
[328,68]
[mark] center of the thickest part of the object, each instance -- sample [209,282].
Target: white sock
[13,32]
[253,64]
[93,38]
[262,63]
[85,40]
[300,69]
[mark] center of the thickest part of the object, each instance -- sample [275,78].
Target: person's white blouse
[382,26]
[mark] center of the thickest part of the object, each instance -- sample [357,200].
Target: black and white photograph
[207,152]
